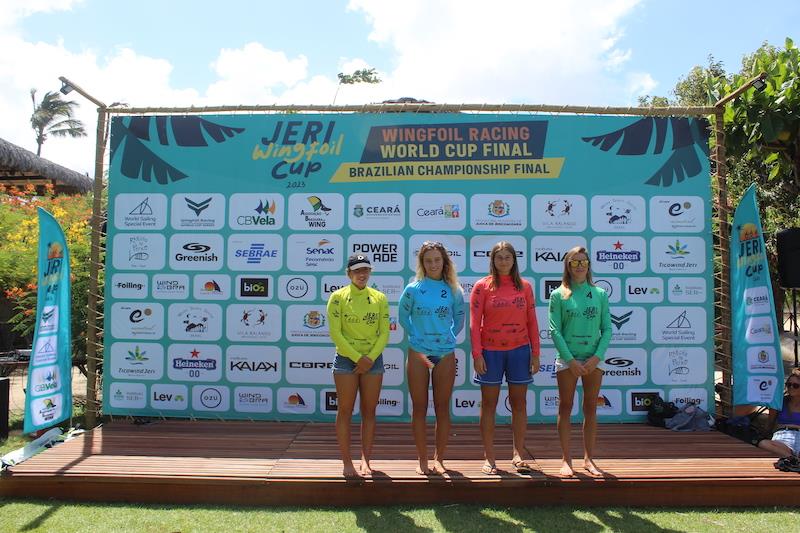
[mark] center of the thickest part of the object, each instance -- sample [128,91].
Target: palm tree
[52,115]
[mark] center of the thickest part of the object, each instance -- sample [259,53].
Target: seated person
[786,422]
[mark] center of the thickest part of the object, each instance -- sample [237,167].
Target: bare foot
[566,469]
[438,468]
[349,470]
[422,468]
[366,470]
[590,467]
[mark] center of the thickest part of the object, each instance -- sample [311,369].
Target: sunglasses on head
[432,244]
[793,385]
[574,263]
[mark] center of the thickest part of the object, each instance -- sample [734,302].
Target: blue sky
[176,52]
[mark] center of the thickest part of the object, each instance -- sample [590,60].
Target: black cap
[356,261]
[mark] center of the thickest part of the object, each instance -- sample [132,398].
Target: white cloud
[640,84]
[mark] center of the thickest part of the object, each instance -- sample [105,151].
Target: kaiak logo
[197,207]
[621,320]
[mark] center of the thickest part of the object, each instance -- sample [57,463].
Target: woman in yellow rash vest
[358,319]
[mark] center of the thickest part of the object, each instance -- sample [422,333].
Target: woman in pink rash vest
[505,341]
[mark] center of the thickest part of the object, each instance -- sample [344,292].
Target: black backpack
[659,411]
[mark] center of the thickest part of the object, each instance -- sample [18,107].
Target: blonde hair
[515,277]
[448,268]
[566,277]
[795,373]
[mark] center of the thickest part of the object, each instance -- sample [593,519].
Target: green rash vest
[581,324]
[358,321]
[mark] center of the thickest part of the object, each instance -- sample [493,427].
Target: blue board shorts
[345,365]
[515,364]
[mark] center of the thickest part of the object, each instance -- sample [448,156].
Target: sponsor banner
[199,322]
[253,287]
[628,325]
[677,214]
[678,325]
[612,286]
[255,212]
[48,410]
[258,252]
[195,251]
[299,288]
[169,397]
[679,366]
[45,350]
[548,252]
[625,366]
[638,401]
[455,245]
[212,287]
[376,211]
[697,396]
[194,362]
[686,290]
[504,403]
[138,251]
[44,380]
[609,402]
[170,286]
[128,395]
[315,252]
[307,323]
[310,365]
[316,211]
[48,321]
[238,247]
[129,286]
[136,360]
[390,403]
[558,212]
[385,252]
[760,330]
[137,320]
[549,401]
[253,364]
[618,255]
[618,214]
[197,211]
[498,213]
[480,249]
[757,301]
[677,255]
[252,399]
[644,290]
[763,359]
[134,212]
[211,398]
[762,389]
[296,401]
[437,212]
[253,322]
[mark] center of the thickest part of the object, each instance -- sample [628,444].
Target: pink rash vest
[502,318]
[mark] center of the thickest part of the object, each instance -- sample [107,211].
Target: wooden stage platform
[263,463]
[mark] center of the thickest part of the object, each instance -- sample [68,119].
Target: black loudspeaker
[789,258]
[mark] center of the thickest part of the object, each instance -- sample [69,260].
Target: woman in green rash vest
[358,319]
[580,325]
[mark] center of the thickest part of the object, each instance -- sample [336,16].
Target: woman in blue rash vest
[432,313]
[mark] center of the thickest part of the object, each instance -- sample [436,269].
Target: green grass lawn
[18,515]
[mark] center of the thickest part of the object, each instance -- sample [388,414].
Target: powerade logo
[254,287]
[642,401]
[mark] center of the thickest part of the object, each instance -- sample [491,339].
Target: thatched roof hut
[19,167]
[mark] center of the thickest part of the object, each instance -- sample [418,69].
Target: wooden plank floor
[264,463]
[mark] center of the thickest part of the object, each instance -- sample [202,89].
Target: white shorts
[563,365]
[789,437]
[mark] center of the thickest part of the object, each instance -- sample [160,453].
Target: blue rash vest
[433,315]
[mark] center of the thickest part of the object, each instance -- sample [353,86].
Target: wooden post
[722,330]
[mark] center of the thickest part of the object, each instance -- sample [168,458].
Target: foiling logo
[197,207]
[499,209]
[621,320]
[314,320]
[558,208]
